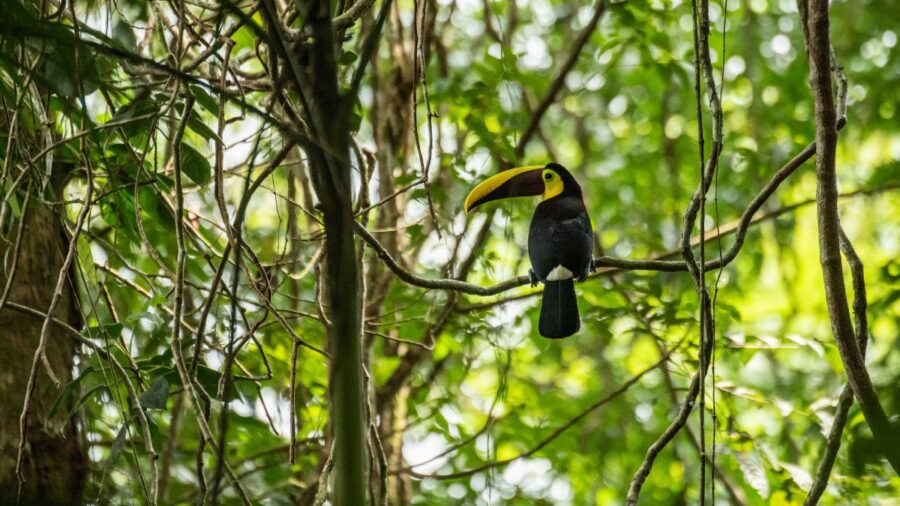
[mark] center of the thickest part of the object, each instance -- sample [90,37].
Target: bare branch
[187,380]
[833,441]
[557,84]
[747,219]
[815,20]
[553,435]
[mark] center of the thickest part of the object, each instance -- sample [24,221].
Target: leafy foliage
[469,404]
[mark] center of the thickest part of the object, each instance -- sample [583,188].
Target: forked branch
[815,20]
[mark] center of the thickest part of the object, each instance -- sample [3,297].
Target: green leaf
[116,449]
[209,380]
[196,125]
[888,173]
[205,99]
[155,208]
[142,105]
[155,397]
[124,35]
[754,471]
[67,391]
[195,165]
[84,398]
[69,71]
[13,199]
[348,57]
[112,330]
[441,421]
[86,261]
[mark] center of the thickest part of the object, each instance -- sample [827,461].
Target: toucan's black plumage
[559,247]
[559,240]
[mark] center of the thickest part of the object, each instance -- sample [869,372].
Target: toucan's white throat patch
[559,273]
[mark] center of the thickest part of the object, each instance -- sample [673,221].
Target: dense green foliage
[458,381]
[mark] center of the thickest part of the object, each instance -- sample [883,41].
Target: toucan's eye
[548,176]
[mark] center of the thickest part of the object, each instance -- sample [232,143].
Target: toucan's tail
[559,309]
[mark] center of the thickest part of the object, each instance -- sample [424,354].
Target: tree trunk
[55,465]
[329,161]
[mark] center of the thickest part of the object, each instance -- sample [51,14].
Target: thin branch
[833,441]
[368,49]
[697,205]
[560,80]
[747,219]
[420,71]
[175,343]
[27,31]
[10,272]
[347,18]
[550,437]
[441,284]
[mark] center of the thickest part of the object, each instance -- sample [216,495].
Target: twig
[294,131]
[168,451]
[698,272]
[322,486]
[10,272]
[747,218]
[368,49]
[697,205]
[420,70]
[234,239]
[553,435]
[292,448]
[347,18]
[557,84]
[175,343]
[833,441]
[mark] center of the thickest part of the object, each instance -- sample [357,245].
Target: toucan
[560,239]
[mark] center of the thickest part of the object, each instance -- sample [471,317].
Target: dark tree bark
[55,465]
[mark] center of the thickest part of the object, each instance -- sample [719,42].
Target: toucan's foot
[532,278]
[592,267]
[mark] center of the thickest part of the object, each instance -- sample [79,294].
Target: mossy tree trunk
[328,153]
[55,465]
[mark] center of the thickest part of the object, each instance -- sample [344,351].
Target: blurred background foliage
[457,381]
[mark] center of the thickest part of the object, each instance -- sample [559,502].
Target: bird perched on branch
[559,240]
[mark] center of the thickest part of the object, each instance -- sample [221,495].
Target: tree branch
[368,48]
[175,342]
[617,264]
[833,441]
[329,162]
[553,435]
[815,20]
[707,171]
[557,84]
[712,235]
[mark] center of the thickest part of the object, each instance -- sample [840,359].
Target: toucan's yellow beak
[518,182]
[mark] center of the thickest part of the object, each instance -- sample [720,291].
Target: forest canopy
[237,267]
